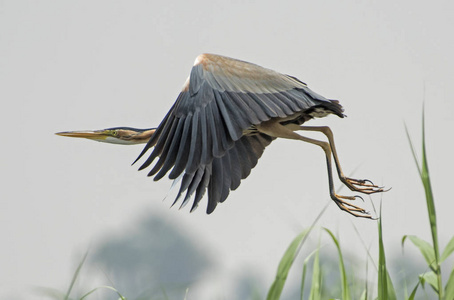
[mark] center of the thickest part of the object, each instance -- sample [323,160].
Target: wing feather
[157,134]
[303,100]
[207,138]
[216,129]
[165,152]
[195,181]
[289,101]
[160,144]
[173,151]
[183,150]
[248,113]
[264,105]
[215,186]
[249,152]
[239,115]
[234,130]
[243,159]
[221,131]
[201,189]
[226,176]
[258,110]
[281,106]
[185,182]
[235,169]
[195,146]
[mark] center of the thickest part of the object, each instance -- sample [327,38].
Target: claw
[369,190]
[358,196]
[351,208]
[357,212]
[364,186]
[367,180]
[359,181]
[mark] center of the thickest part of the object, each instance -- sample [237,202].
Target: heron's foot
[350,208]
[364,186]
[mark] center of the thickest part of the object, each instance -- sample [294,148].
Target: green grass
[385,286]
[57,295]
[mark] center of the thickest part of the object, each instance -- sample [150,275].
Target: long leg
[360,185]
[273,128]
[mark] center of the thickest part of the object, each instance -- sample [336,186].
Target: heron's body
[226,114]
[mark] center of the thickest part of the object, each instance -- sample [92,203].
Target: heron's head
[116,135]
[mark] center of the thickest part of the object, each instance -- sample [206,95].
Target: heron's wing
[224,173]
[220,100]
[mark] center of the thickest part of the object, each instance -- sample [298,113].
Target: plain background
[76,65]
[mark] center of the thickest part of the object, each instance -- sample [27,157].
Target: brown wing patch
[225,73]
[202,59]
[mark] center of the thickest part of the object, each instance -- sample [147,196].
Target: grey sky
[70,65]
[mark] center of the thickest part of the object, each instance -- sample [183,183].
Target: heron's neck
[144,135]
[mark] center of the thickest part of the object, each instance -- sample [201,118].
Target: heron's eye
[114,132]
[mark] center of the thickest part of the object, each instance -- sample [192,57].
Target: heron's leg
[275,129]
[360,185]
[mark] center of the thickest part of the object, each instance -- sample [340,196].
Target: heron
[226,114]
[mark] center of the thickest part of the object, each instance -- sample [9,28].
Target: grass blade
[102,287]
[385,286]
[365,246]
[382,271]
[303,277]
[426,249]
[366,287]
[425,178]
[431,279]
[287,260]
[345,288]
[316,286]
[415,157]
[76,274]
[413,293]
[363,296]
[285,264]
[431,209]
[391,291]
[448,250]
[449,292]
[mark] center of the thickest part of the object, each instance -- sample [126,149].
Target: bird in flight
[226,114]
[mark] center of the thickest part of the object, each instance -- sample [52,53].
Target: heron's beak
[98,135]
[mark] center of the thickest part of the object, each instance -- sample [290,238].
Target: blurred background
[79,65]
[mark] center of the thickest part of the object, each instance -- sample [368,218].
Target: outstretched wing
[202,136]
